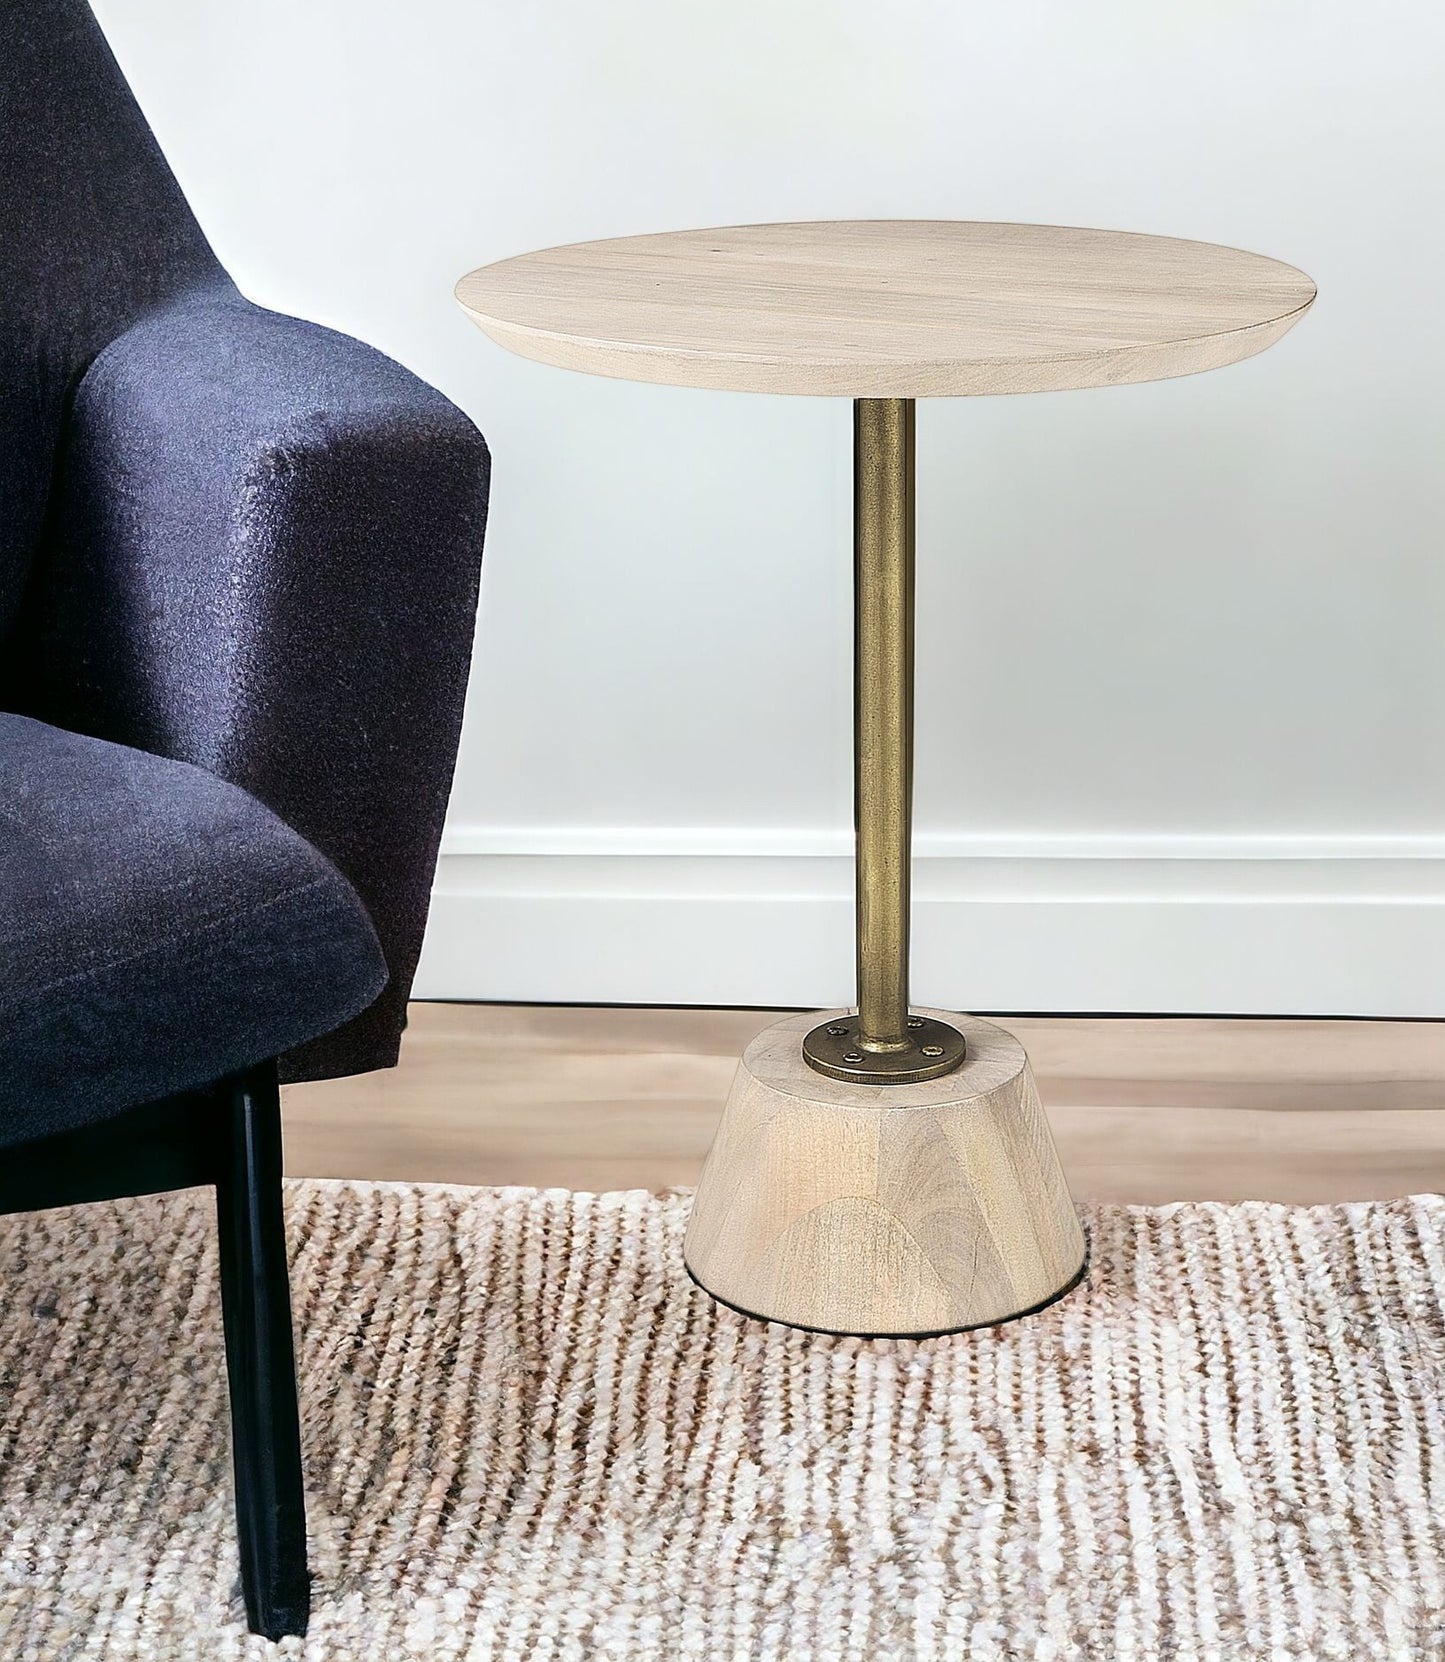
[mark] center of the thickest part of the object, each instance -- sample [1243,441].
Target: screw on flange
[852,1055]
[835,1032]
[915,1021]
[932,1050]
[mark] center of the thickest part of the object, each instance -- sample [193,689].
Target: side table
[886,1170]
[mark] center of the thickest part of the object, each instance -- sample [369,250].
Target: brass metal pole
[883,712]
[884,1044]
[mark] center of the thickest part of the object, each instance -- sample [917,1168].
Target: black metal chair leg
[260,1357]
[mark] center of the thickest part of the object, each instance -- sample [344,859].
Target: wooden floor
[1145,1110]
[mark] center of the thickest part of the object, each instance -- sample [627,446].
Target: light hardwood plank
[1143,1110]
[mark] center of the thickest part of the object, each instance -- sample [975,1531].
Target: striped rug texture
[531,1438]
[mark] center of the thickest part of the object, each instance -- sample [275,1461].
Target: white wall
[1182,646]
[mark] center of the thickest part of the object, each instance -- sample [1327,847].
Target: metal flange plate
[837,1049]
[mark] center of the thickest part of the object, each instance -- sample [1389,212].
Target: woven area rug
[531,1437]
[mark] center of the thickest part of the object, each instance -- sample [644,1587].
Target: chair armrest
[266,548]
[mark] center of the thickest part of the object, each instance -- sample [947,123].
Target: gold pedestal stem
[883,712]
[884,1044]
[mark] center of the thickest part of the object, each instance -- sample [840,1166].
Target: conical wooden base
[898,1210]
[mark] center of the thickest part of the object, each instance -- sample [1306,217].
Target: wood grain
[888,308]
[883,1209]
[1144,1110]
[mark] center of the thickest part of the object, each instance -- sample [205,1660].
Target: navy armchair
[238,574]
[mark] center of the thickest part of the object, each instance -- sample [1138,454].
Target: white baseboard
[1245,925]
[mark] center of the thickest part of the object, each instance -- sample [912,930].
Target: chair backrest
[94,231]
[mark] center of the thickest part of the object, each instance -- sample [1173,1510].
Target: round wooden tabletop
[888,308]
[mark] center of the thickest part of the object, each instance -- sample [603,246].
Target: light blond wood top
[888,308]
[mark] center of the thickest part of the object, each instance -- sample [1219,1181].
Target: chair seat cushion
[159,929]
